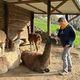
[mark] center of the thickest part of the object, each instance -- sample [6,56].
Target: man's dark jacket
[67,35]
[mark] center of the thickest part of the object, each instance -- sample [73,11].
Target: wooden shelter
[27,8]
[57,6]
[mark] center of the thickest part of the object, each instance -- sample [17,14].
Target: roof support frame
[74,18]
[76,5]
[35,7]
[56,8]
[45,1]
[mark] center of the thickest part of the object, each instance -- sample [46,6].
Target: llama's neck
[18,37]
[28,30]
[47,49]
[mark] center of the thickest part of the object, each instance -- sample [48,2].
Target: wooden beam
[6,17]
[55,0]
[52,7]
[56,9]
[74,18]
[59,5]
[35,8]
[48,17]
[21,2]
[31,1]
[76,5]
[59,13]
[32,22]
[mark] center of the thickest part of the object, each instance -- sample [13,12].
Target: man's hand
[66,46]
[56,38]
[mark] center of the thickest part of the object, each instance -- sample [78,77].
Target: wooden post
[6,18]
[48,25]
[48,17]
[32,23]
[66,16]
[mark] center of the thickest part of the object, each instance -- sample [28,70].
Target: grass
[77,42]
[42,24]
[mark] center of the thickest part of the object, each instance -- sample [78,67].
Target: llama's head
[39,39]
[19,31]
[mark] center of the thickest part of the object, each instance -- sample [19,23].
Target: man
[66,35]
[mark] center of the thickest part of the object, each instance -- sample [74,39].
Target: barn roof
[57,6]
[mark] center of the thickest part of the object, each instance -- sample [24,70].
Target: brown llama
[34,38]
[38,62]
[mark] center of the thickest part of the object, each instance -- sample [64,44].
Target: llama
[11,59]
[15,43]
[2,41]
[34,38]
[38,62]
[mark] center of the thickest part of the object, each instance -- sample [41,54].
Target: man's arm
[71,38]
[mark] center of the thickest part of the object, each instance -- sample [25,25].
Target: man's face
[62,23]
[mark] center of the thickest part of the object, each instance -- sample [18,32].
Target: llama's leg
[33,46]
[30,47]
[36,47]
[39,44]
[3,48]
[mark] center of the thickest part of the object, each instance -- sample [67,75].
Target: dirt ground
[23,73]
